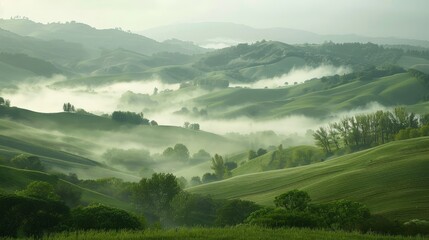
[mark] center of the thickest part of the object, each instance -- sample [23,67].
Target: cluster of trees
[366,74]
[294,209]
[130,117]
[293,157]
[143,162]
[177,153]
[4,102]
[193,126]
[254,154]
[24,216]
[25,161]
[368,130]
[162,200]
[41,209]
[68,107]
[221,170]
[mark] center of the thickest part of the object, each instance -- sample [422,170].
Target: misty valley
[109,134]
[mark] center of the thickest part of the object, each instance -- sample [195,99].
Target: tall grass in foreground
[240,233]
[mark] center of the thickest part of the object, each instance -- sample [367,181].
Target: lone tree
[154,194]
[218,166]
[293,200]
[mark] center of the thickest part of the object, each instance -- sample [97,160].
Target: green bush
[27,216]
[278,218]
[100,217]
[234,212]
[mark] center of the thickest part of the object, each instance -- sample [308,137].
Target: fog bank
[297,75]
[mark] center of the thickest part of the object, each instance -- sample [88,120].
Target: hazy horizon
[387,18]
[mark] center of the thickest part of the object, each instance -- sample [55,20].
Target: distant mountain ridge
[210,34]
[99,39]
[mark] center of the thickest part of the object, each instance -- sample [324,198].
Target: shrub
[100,217]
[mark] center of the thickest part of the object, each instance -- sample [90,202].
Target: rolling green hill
[70,142]
[12,179]
[390,179]
[59,52]
[291,157]
[305,99]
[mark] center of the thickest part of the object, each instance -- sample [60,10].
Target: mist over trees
[4,102]
[369,130]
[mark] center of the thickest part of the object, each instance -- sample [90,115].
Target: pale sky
[398,18]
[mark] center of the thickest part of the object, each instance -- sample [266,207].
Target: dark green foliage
[252,154]
[153,195]
[367,130]
[129,117]
[69,195]
[261,152]
[218,166]
[295,211]
[230,165]
[419,75]
[29,216]
[195,181]
[294,200]
[68,107]
[113,187]
[40,190]
[100,217]
[179,153]
[293,157]
[201,156]
[279,218]
[416,227]
[380,224]
[193,210]
[235,212]
[209,177]
[342,214]
[29,162]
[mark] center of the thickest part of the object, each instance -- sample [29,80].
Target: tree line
[369,130]
[159,201]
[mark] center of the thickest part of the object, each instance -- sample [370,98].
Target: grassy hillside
[97,129]
[390,179]
[12,179]
[292,157]
[304,99]
[59,52]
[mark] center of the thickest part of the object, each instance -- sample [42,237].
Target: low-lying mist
[297,75]
[40,96]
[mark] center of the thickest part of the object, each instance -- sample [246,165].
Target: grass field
[238,233]
[390,179]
